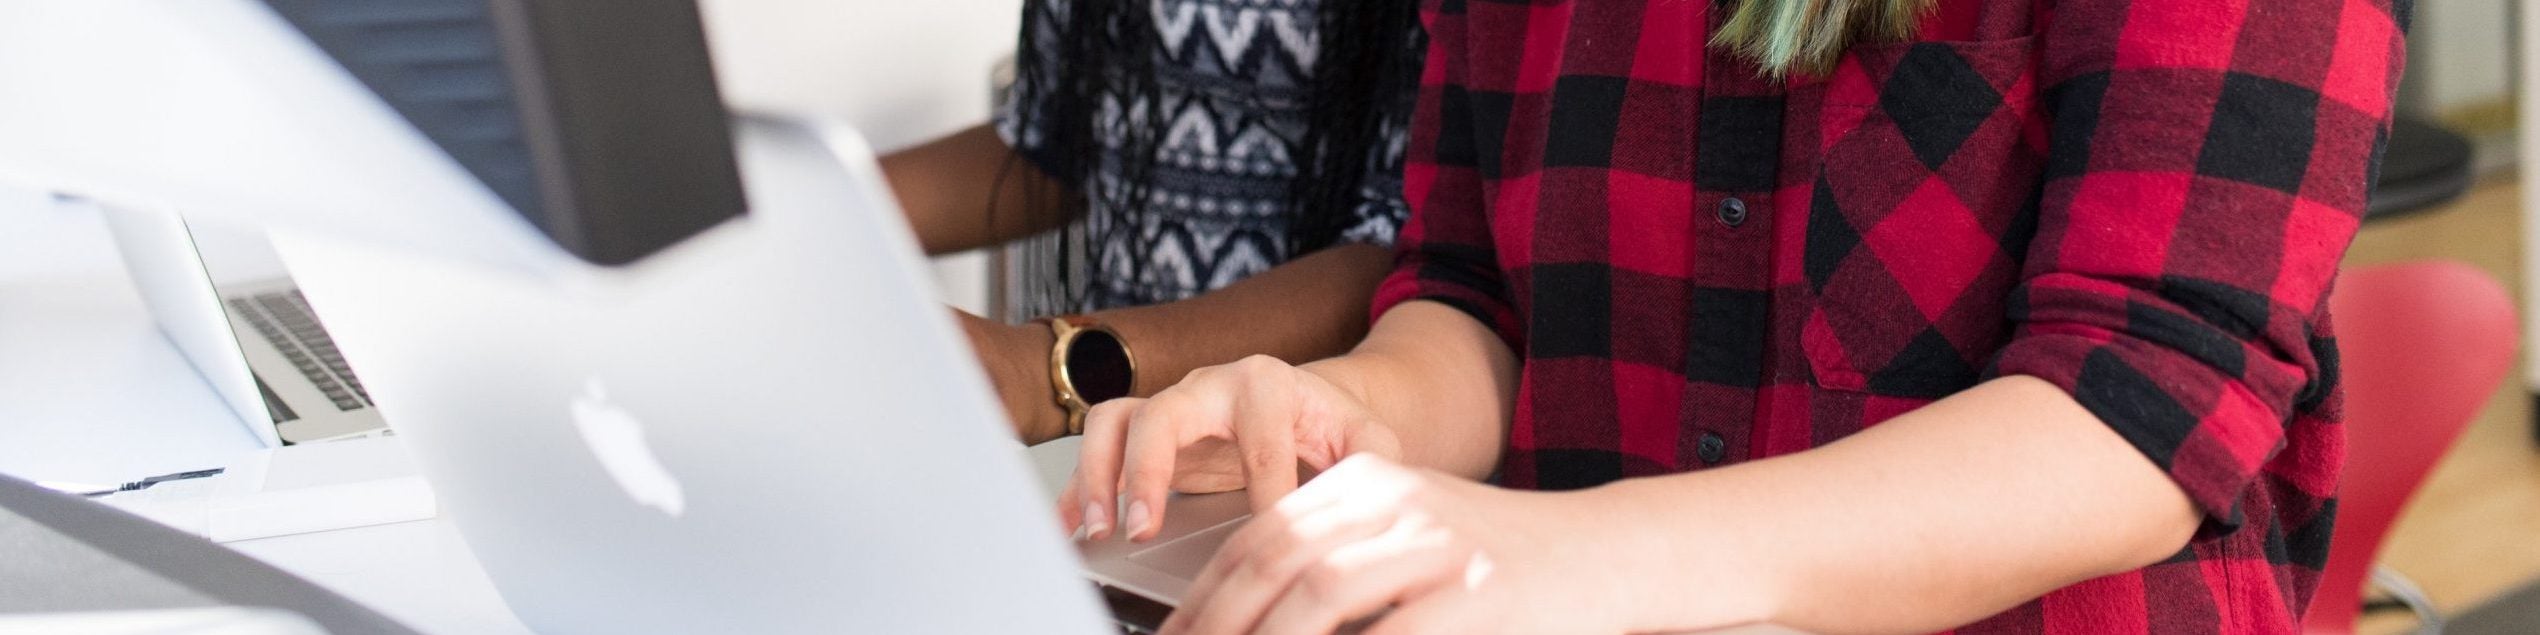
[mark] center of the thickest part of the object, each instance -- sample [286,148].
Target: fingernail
[1079,534]
[1137,518]
[1095,521]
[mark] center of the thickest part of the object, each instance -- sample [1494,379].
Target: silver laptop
[257,343]
[769,427]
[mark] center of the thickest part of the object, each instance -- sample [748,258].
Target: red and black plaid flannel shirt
[2141,201]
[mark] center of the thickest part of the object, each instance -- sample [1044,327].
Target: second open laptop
[256,342]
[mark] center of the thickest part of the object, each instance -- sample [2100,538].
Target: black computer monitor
[597,120]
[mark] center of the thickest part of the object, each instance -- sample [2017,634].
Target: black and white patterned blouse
[1230,76]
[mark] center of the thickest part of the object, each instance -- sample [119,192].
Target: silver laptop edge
[196,314]
[770,427]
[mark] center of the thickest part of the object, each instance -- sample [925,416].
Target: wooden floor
[2473,532]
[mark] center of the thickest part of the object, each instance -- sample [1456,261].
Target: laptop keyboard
[274,405]
[283,318]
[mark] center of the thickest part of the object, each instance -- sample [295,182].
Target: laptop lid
[159,254]
[771,427]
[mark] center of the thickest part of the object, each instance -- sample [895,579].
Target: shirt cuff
[1477,295]
[2206,429]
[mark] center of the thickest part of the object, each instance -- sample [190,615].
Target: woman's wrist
[1346,372]
[1436,424]
[1034,400]
[1017,360]
[1681,560]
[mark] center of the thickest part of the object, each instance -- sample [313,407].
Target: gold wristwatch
[1089,364]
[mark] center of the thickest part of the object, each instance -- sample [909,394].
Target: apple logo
[618,440]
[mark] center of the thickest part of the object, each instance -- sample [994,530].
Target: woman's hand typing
[1252,425]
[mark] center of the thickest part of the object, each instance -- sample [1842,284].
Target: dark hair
[1368,52]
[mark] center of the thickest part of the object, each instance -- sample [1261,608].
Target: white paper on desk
[225,620]
[293,490]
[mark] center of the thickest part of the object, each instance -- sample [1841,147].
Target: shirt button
[1711,448]
[1732,211]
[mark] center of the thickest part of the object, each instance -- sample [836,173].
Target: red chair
[2423,345]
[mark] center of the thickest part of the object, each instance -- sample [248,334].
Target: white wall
[899,71]
[2464,53]
[2529,105]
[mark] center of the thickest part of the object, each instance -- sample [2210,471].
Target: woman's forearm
[1306,309]
[1443,382]
[968,190]
[1303,310]
[1944,515]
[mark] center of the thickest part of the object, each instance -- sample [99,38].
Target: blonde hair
[1809,36]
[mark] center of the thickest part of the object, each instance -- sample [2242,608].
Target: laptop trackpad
[1185,556]
[1194,527]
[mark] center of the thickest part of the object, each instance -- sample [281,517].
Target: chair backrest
[2422,345]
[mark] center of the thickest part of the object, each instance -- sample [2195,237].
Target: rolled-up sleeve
[1028,114]
[2208,164]
[1444,253]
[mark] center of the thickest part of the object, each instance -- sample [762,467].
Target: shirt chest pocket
[1923,205]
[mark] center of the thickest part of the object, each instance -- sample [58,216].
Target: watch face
[1098,367]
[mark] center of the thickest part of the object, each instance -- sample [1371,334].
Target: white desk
[90,392]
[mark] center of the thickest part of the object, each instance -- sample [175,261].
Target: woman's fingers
[1265,424]
[1252,407]
[1089,496]
[1253,565]
[1446,608]
[1071,513]
[1154,442]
